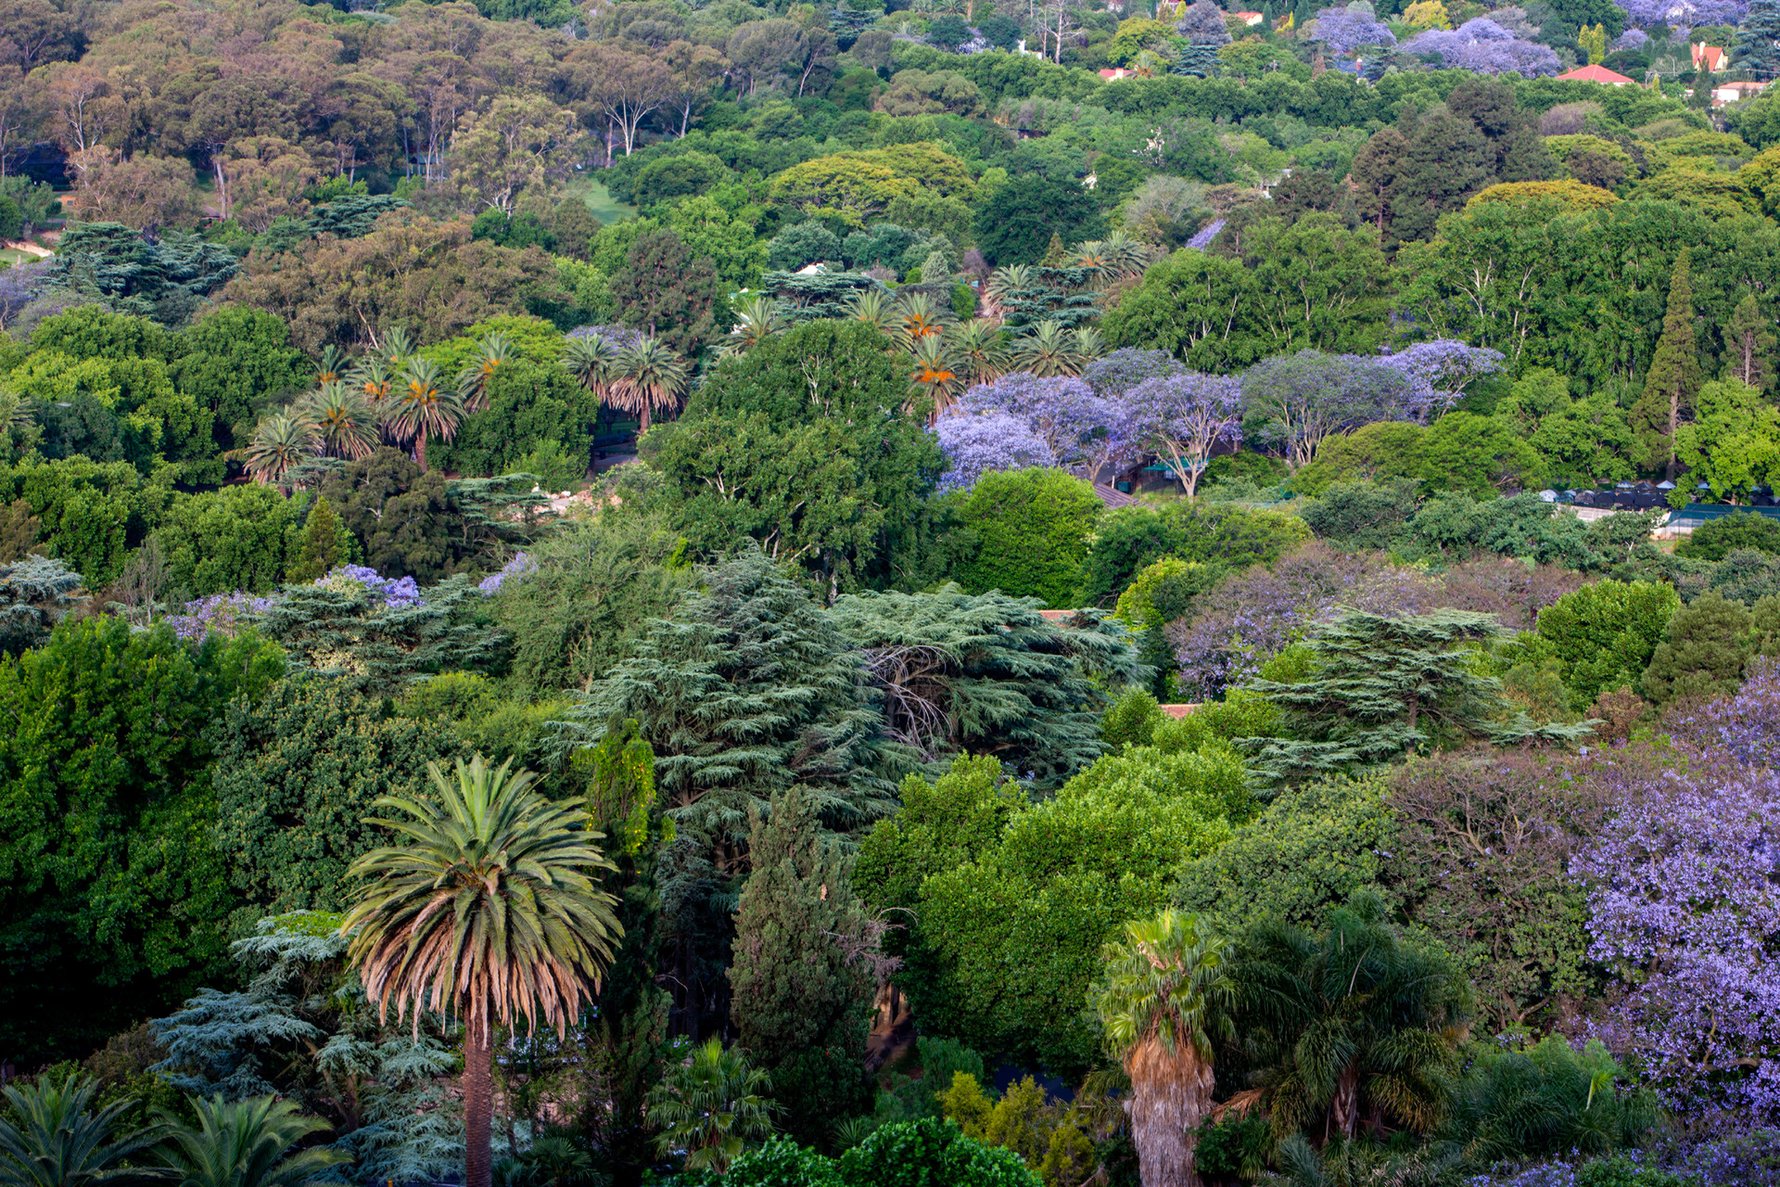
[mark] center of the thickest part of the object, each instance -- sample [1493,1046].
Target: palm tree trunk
[478,1110]
[420,450]
[1170,1095]
[1347,1097]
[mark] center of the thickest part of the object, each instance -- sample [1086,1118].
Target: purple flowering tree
[1484,46]
[1204,235]
[1683,14]
[1115,374]
[394,592]
[1441,370]
[1185,419]
[1078,426]
[222,614]
[515,570]
[1345,30]
[977,442]
[1300,400]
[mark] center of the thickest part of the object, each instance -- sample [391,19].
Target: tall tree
[667,292]
[489,908]
[1162,1005]
[1674,378]
[1749,342]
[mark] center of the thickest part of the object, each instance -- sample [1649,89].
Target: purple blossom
[1078,426]
[1486,47]
[977,442]
[1184,419]
[515,569]
[222,614]
[1440,371]
[1683,14]
[1204,235]
[1117,373]
[1345,30]
[396,592]
[1302,399]
[1630,40]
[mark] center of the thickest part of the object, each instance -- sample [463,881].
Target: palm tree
[398,348]
[1002,286]
[248,1143]
[1353,1023]
[757,319]
[488,908]
[873,307]
[917,317]
[593,361]
[935,376]
[472,381]
[1049,351]
[651,378]
[976,345]
[332,368]
[374,379]
[51,1135]
[342,421]
[1089,345]
[1161,1005]
[708,1107]
[422,405]
[280,444]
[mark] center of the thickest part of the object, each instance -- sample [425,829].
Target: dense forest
[945,594]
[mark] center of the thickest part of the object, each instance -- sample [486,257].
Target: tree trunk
[478,1110]
[1170,1095]
[1347,1102]
[420,450]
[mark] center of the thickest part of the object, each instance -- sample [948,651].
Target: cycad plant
[1049,351]
[248,1143]
[918,317]
[472,382]
[53,1133]
[279,445]
[373,378]
[487,908]
[708,1107]
[332,368]
[422,406]
[758,317]
[1163,1002]
[1003,284]
[397,347]
[651,379]
[976,347]
[342,421]
[593,361]
[1353,1025]
[874,308]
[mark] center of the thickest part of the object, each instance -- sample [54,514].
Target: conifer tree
[1674,377]
[323,544]
[1708,643]
[1758,39]
[803,977]
[1749,343]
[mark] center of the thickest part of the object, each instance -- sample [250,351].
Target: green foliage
[1307,852]
[709,1105]
[927,1152]
[405,521]
[321,546]
[801,985]
[236,362]
[249,1143]
[1604,634]
[1019,219]
[296,776]
[35,594]
[781,1162]
[1007,940]
[1718,538]
[1547,1100]
[1361,514]
[224,540]
[1234,537]
[534,409]
[111,884]
[1703,655]
[1131,720]
[1031,531]
[55,1132]
[1477,455]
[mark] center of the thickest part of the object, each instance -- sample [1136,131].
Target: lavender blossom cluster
[1683,14]
[514,570]
[1485,47]
[395,592]
[222,614]
[1346,30]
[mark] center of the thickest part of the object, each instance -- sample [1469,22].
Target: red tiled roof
[1177,711]
[1593,73]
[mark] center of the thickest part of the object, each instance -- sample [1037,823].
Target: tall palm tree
[332,368]
[593,361]
[491,353]
[53,1135]
[1351,1024]
[374,379]
[279,445]
[976,345]
[651,379]
[1048,351]
[758,318]
[917,317]
[397,347]
[874,308]
[935,379]
[342,420]
[422,405]
[1161,1005]
[488,908]
[708,1107]
[248,1143]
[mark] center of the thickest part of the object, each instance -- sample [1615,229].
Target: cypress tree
[1749,342]
[1674,377]
[1758,38]
[323,544]
[803,976]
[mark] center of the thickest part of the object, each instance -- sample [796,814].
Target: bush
[1031,531]
[928,1153]
[1718,538]
[1234,537]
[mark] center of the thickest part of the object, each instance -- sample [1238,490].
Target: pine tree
[803,976]
[1709,641]
[1749,342]
[1758,38]
[1674,377]
[1055,254]
[324,544]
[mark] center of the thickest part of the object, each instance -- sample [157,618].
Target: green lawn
[604,207]
[12,255]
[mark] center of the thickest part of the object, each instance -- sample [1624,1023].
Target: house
[1115,74]
[1251,19]
[1735,92]
[1710,58]
[1596,74]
